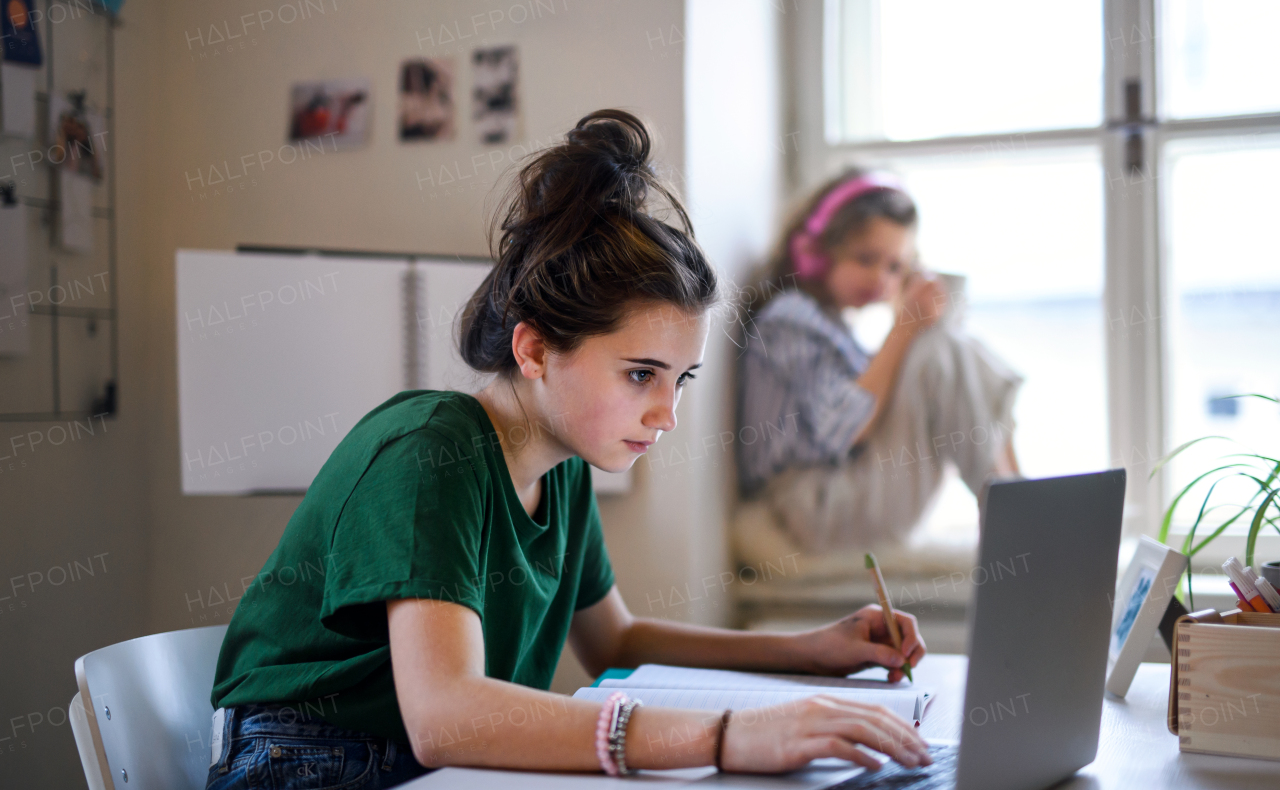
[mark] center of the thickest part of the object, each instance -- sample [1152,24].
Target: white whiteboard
[280,355]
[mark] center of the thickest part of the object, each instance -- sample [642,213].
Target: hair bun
[616,133]
[577,245]
[614,147]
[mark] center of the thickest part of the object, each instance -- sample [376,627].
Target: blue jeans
[279,747]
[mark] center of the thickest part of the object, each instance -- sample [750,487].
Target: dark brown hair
[850,219]
[575,246]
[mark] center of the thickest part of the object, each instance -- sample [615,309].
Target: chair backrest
[147,708]
[93,770]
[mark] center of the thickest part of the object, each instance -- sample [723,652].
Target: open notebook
[716,689]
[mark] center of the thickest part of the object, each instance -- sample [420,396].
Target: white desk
[1136,750]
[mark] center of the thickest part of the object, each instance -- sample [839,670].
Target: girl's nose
[884,282]
[661,416]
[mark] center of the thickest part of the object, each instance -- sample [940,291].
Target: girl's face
[869,266]
[615,394]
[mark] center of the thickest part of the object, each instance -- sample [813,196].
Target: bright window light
[1219,58]
[995,67]
[1224,305]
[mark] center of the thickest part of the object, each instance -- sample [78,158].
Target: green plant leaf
[1222,527]
[1275,471]
[1160,464]
[1264,486]
[1266,458]
[1265,489]
[1189,542]
[1191,535]
[1250,395]
[1167,522]
[1251,542]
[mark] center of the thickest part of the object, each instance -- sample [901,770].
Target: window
[889,84]
[1219,157]
[1103,174]
[1224,299]
[1219,58]
[1026,231]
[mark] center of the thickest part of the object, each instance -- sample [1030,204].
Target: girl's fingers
[916,655]
[885,655]
[882,737]
[911,640]
[850,751]
[879,648]
[893,727]
[877,630]
[835,746]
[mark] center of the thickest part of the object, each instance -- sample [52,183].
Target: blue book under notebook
[613,674]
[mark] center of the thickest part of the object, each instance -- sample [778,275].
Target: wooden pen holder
[1224,686]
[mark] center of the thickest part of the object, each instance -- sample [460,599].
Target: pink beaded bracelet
[603,725]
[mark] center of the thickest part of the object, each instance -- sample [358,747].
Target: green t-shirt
[415,502]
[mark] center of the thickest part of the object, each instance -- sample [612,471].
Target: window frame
[1137,376]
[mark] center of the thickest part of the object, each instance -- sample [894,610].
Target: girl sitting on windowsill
[855,444]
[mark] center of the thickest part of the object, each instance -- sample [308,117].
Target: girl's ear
[529,350]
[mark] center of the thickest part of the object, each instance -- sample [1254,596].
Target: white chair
[142,719]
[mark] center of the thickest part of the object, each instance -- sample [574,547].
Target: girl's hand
[860,641]
[787,736]
[923,302]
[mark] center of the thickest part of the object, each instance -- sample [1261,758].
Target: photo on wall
[426,99]
[78,145]
[334,111]
[495,100]
[18,31]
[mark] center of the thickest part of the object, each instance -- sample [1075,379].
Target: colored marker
[1243,586]
[1268,593]
[1242,604]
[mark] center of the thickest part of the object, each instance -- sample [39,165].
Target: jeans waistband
[281,720]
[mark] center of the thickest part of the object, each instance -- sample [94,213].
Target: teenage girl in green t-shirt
[593,319]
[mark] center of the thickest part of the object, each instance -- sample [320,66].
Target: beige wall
[186,104]
[81,503]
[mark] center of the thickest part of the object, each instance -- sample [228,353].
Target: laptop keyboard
[941,775]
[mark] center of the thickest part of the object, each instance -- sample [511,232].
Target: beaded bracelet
[618,735]
[611,733]
[603,724]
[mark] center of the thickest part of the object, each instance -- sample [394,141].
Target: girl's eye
[646,376]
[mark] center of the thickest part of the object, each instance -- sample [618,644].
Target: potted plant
[1261,509]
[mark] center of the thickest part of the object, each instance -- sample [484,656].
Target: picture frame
[495,94]
[330,112]
[427,110]
[1140,602]
[18,36]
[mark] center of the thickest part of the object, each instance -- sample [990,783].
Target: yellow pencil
[890,619]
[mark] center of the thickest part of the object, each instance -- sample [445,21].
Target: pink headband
[806,253]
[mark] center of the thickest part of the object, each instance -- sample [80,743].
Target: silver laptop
[1039,624]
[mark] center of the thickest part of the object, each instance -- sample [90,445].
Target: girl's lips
[637,447]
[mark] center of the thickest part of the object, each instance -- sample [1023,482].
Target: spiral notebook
[716,689]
